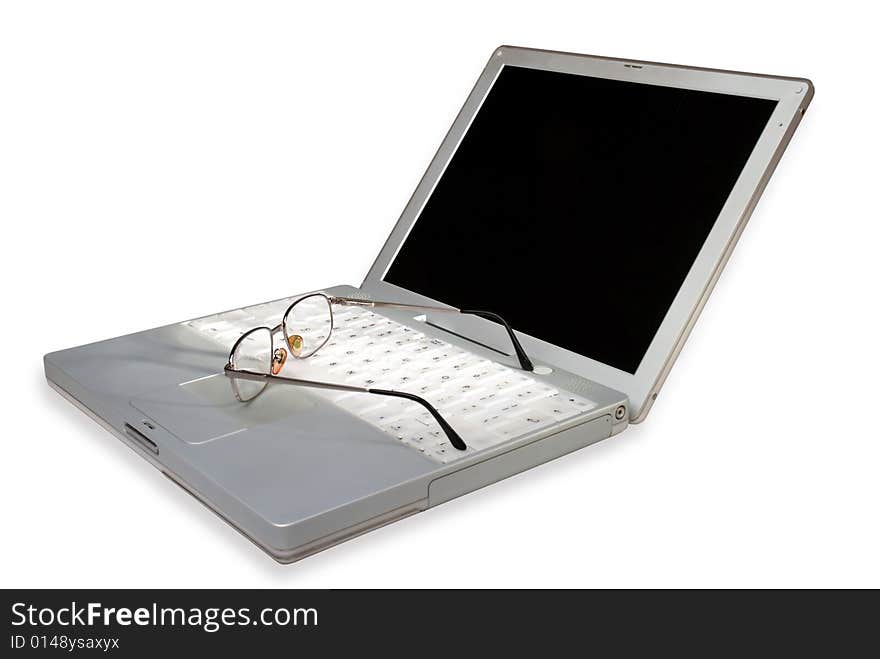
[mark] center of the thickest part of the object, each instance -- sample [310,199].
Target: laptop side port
[141,439]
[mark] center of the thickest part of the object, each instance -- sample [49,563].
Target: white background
[141,144]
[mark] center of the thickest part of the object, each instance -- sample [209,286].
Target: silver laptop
[529,302]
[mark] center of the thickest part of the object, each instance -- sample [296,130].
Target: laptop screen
[575,206]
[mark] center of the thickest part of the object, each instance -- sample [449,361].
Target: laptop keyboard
[487,403]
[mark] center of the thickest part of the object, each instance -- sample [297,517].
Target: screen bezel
[792,96]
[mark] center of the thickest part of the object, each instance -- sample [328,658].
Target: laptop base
[299,483]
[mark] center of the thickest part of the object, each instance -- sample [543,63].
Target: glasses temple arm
[453,436]
[524,361]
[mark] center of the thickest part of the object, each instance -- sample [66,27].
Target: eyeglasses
[255,362]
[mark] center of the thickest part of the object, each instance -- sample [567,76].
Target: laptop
[530,301]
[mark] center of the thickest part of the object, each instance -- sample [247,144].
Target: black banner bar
[147,622]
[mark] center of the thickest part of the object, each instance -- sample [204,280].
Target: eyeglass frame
[244,374]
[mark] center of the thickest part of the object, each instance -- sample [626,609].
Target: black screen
[575,206]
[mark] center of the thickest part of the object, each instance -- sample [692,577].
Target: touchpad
[206,409]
